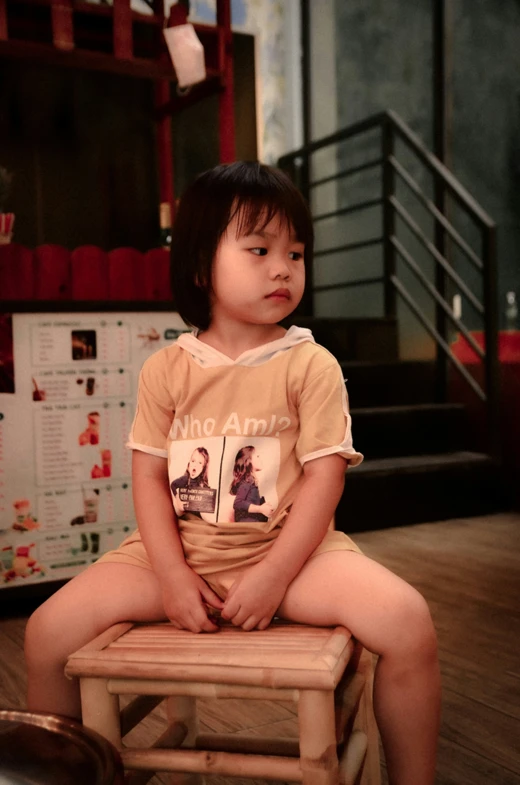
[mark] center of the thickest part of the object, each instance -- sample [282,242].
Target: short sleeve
[155,409]
[325,422]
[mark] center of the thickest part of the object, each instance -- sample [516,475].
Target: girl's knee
[43,632]
[52,633]
[416,637]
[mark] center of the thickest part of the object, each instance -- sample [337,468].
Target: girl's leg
[82,609]
[391,619]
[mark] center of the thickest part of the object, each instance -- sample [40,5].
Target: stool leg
[100,710]
[181,708]
[366,722]
[318,756]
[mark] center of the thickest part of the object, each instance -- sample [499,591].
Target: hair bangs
[254,211]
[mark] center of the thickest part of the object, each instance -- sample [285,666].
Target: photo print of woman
[192,492]
[248,504]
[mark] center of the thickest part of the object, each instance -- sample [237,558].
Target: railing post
[492,367]
[442,35]
[302,170]
[441,284]
[389,257]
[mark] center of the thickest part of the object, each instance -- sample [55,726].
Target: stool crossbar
[322,670]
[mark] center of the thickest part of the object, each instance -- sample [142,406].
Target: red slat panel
[89,265]
[16,272]
[157,271]
[3,20]
[62,25]
[52,265]
[126,275]
[123,43]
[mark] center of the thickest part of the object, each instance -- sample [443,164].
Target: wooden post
[3,20]
[62,26]
[100,710]
[122,30]
[183,709]
[226,97]
[318,757]
[164,147]
[366,724]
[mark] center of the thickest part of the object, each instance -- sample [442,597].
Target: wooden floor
[469,571]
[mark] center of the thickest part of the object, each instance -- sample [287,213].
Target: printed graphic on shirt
[225,478]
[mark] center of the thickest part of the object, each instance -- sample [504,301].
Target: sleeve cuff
[130,445]
[352,457]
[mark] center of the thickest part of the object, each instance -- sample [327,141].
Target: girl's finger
[210,597]
[240,617]
[264,623]
[200,618]
[249,624]
[232,589]
[230,608]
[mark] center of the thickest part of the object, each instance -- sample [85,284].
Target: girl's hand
[184,596]
[178,505]
[266,509]
[254,598]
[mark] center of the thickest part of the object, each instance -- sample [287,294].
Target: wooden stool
[323,670]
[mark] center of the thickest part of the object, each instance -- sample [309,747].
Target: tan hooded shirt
[236,434]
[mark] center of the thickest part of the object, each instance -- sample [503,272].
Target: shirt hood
[209,357]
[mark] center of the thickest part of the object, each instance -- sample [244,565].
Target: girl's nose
[281,269]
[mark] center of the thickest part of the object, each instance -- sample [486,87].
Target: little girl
[242,241]
[195,476]
[248,504]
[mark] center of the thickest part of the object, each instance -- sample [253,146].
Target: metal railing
[394,130]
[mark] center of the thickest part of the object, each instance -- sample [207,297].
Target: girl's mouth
[280,294]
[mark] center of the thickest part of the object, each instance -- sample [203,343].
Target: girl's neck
[232,344]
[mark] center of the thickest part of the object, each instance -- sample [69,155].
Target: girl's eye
[259,251]
[296,256]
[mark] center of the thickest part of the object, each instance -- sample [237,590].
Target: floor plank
[469,572]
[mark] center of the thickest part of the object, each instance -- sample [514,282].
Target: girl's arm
[241,498]
[310,515]
[184,591]
[253,600]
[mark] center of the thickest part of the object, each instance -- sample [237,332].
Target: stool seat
[285,655]
[323,670]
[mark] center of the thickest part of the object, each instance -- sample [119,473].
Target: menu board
[68,384]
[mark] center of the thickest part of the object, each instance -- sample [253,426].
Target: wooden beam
[122,31]
[62,25]
[93,61]
[164,149]
[226,99]
[3,20]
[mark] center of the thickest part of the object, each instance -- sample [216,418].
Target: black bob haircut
[254,192]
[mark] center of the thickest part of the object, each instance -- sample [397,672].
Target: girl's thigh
[349,589]
[103,595]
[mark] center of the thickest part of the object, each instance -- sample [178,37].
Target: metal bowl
[47,749]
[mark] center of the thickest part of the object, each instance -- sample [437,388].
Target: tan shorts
[132,551]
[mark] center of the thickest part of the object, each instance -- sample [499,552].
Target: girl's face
[196,464]
[256,462]
[258,278]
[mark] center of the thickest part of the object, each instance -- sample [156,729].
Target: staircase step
[389,382]
[407,464]
[393,431]
[420,488]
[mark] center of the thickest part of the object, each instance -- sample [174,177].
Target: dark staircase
[421,460]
